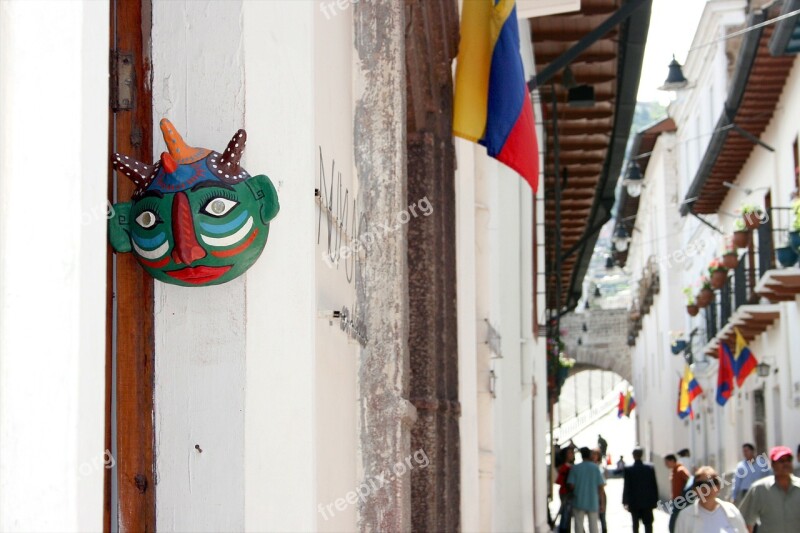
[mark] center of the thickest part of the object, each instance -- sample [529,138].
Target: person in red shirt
[678,476]
[564,492]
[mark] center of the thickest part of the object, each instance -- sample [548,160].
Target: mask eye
[218,206]
[147,219]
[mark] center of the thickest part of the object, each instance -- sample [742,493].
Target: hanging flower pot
[794,239]
[752,215]
[730,260]
[707,294]
[704,297]
[692,309]
[741,238]
[718,278]
[752,220]
[679,345]
[701,300]
[787,256]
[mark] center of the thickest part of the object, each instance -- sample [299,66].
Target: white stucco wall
[53,175]
[337,356]
[280,437]
[235,363]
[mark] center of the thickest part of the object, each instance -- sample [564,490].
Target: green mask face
[196,218]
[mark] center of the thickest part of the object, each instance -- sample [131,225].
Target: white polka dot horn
[139,173]
[227,165]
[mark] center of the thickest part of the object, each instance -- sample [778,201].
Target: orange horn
[178,149]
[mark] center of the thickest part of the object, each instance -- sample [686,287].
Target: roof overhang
[592,141]
[750,320]
[755,89]
[779,285]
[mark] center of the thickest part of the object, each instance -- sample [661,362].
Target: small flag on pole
[684,405]
[725,375]
[744,362]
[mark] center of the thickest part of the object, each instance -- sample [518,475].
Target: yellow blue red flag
[744,362]
[492,103]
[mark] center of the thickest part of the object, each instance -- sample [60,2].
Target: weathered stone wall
[603,345]
[385,414]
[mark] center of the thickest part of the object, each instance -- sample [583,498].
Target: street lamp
[763,370]
[675,79]
[620,239]
[633,181]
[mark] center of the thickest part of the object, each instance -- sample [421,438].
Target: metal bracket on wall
[121,92]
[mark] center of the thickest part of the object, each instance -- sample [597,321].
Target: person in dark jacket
[640,492]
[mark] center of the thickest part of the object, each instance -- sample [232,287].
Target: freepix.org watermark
[364,491]
[104,460]
[703,491]
[331,8]
[367,239]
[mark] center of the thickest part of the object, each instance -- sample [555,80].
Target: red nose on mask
[187,249]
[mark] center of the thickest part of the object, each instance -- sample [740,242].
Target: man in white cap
[774,501]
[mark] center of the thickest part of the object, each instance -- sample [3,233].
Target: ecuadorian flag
[744,362]
[492,103]
[689,389]
[684,405]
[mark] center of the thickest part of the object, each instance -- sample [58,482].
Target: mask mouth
[199,274]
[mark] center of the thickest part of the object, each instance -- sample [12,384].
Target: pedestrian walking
[748,471]
[774,501]
[708,513]
[602,444]
[597,459]
[685,457]
[589,499]
[640,492]
[678,476]
[564,491]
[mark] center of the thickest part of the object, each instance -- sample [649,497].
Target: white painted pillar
[53,172]
[200,333]
[279,438]
[467,334]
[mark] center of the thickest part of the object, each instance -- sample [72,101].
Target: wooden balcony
[749,299]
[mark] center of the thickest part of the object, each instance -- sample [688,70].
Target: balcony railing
[649,285]
[756,261]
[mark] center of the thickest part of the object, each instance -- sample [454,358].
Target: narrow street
[621,436]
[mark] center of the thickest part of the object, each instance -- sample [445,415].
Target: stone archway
[597,338]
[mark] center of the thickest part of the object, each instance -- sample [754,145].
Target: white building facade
[279,395]
[723,153]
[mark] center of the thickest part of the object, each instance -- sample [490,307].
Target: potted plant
[794,232]
[564,365]
[741,235]
[691,306]
[718,273]
[706,295]
[730,258]
[787,256]
[751,216]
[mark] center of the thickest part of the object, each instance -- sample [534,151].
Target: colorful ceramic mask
[196,217]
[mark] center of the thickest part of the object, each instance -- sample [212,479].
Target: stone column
[385,414]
